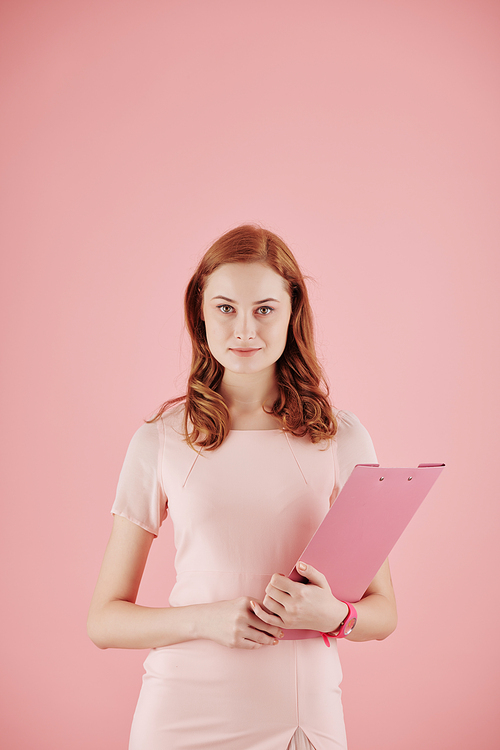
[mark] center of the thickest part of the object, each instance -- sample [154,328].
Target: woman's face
[246,309]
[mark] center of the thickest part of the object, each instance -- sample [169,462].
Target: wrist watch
[347,624]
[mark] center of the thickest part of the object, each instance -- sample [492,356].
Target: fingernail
[275,642]
[281,634]
[302,566]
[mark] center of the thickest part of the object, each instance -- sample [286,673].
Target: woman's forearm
[377,618]
[120,623]
[123,624]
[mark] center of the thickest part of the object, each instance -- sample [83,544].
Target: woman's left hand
[290,604]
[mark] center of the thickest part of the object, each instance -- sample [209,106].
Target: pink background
[133,134]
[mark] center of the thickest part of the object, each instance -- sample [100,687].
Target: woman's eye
[225,308]
[264,310]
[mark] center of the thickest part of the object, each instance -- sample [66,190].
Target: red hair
[302,404]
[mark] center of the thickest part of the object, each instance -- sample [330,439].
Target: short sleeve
[140,496]
[354,446]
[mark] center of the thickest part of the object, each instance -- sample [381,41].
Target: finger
[263,637]
[273,606]
[313,576]
[271,628]
[250,644]
[282,583]
[269,619]
[245,643]
[277,595]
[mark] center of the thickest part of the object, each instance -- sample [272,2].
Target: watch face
[349,626]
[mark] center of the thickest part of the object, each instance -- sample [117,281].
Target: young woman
[247,465]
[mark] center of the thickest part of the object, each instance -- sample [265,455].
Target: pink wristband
[346,626]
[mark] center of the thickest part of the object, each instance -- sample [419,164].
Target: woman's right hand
[233,624]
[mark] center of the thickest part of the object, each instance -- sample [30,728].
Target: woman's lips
[245,352]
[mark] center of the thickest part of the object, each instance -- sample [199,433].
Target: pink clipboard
[361,528]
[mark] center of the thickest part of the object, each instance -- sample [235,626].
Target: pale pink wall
[133,134]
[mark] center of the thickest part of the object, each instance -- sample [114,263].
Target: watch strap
[347,624]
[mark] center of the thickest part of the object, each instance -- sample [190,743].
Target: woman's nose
[245,327]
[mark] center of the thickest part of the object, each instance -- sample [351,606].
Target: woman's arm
[116,621]
[377,613]
[291,604]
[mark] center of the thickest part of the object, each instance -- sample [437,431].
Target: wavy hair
[302,404]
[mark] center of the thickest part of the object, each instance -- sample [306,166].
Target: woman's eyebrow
[259,302]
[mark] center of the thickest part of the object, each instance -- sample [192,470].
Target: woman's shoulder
[352,435]
[170,416]
[347,422]
[173,415]
[353,445]
[146,437]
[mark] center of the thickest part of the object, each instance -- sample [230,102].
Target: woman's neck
[246,396]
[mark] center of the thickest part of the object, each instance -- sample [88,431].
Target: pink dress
[240,514]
